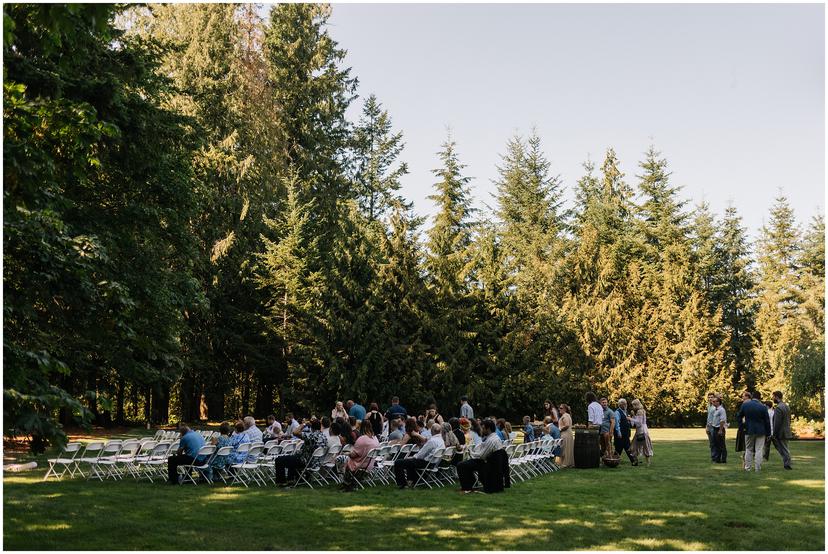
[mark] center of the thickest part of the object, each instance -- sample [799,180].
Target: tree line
[193,227]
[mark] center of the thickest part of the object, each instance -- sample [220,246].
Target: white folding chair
[248,470]
[201,463]
[427,475]
[66,461]
[312,468]
[101,466]
[90,454]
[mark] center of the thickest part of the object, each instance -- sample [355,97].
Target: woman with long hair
[641,444]
[567,438]
[358,456]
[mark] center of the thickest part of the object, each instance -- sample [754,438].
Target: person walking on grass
[782,429]
[622,432]
[641,443]
[754,416]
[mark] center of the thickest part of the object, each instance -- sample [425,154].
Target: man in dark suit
[782,429]
[754,416]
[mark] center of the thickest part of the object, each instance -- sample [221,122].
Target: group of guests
[615,428]
[759,424]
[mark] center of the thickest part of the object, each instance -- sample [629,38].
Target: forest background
[194,228]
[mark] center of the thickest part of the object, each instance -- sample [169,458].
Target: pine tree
[778,332]
[375,151]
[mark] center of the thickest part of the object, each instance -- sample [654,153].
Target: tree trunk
[119,403]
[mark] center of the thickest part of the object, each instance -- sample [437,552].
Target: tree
[375,151]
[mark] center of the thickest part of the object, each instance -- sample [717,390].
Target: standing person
[568,441]
[433,414]
[766,450]
[709,426]
[622,431]
[782,429]
[376,419]
[595,414]
[395,411]
[740,429]
[719,424]
[754,414]
[641,443]
[338,411]
[465,408]
[356,411]
[607,426]
[549,410]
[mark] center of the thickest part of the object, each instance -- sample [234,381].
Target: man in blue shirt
[189,445]
[356,411]
[753,415]
[395,411]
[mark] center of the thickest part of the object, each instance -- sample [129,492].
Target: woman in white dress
[641,444]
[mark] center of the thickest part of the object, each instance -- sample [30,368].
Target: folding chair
[327,469]
[427,475]
[101,466]
[67,460]
[144,452]
[205,454]
[364,472]
[312,468]
[155,463]
[90,454]
[248,470]
[446,471]
[223,454]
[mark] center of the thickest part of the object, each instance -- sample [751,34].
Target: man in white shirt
[420,459]
[595,413]
[292,424]
[274,428]
[491,444]
[251,430]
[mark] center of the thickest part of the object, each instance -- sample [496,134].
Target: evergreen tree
[778,332]
[375,151]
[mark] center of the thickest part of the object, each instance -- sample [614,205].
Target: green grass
[681,502]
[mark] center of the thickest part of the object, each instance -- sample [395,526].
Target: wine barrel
[587,448]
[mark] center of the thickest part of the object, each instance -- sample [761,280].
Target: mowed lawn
[681,502]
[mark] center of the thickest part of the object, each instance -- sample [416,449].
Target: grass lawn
[681,502]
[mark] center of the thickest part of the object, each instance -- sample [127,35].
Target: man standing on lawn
[607,426]
[757,428]
[622,432]
[782,429]
[711,437]
[465,408]
[718,424]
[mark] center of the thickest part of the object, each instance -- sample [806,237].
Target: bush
[801,426]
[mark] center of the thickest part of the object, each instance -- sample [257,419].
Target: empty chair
[65,462]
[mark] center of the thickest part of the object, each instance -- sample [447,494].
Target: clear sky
[732,95]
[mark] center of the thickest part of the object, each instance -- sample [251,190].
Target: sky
[732,95]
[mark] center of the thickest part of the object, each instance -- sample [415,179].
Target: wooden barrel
[587,448]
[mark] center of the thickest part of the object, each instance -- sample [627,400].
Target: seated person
[476,432]
[333,435]
[479,456]
[273,429]
[412,435]
[528,429]
[312,439]
[501,434]
[395,434]
[290,425]
[358,455]
[326,425]
[410,466]
[224,439]
[423,430]
[239,437]
[251,430]
[189,445]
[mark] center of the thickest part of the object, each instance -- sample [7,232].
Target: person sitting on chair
[274,428]
[313,438]
[420,460]
[189,445]
[477,463]
[359,454]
